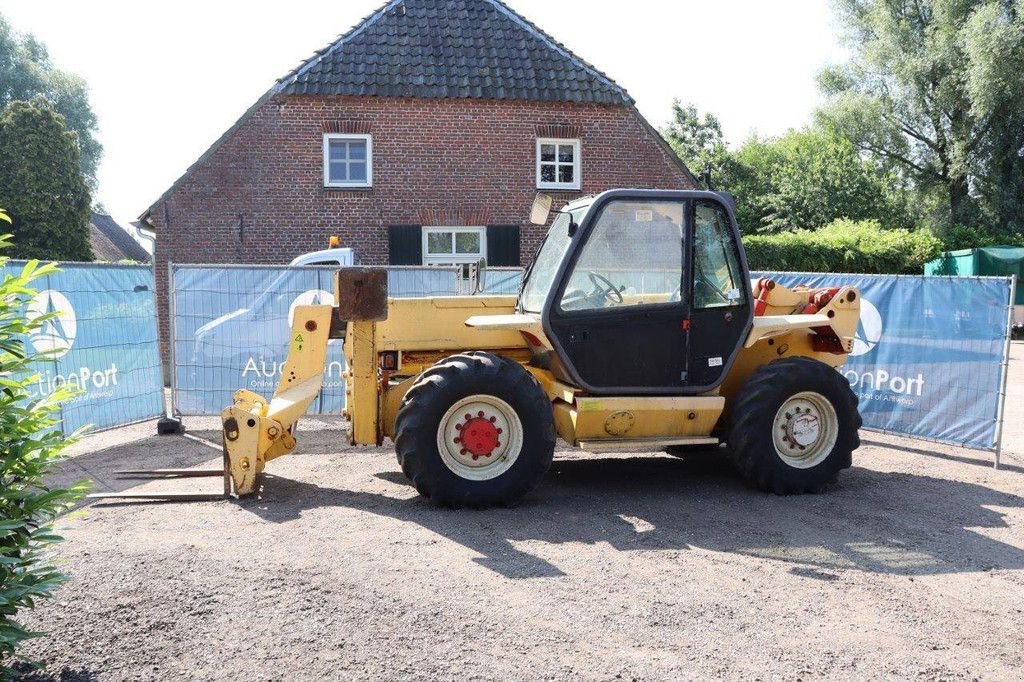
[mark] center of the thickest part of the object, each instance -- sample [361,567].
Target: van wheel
[475,430]
[794,426]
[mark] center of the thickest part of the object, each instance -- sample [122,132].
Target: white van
[333,256]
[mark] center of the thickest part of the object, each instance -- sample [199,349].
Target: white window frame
[327,159]
[453,258]
[577,165]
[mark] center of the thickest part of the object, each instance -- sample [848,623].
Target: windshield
[545,266]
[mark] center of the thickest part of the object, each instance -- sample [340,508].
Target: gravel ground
[619,566]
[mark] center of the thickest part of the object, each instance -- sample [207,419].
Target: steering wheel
[605,287]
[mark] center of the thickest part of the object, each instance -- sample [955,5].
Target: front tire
[794,426]
[476,430]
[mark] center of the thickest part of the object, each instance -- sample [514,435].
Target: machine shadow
[892,523]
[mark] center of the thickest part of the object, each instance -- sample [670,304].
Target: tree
[41,183]
[26,71]
[930,86]
[806,179]
[1001,179]
[696,140]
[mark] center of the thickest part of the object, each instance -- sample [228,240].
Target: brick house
[419,137]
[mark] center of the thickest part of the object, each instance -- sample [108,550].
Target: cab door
[618,317]
[721,310]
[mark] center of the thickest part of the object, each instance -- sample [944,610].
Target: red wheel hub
[478,435]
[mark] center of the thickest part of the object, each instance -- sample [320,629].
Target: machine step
[619,444]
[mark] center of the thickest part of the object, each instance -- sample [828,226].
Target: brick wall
[259,196]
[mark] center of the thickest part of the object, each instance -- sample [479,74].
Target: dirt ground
[619,566]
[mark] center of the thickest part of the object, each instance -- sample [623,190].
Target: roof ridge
[565,51]
[318,56]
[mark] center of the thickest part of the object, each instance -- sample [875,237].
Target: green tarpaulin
[990,260]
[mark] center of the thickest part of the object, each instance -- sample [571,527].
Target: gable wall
[259,197]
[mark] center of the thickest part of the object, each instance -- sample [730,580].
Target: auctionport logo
[57,335]
[880,381]
[869,329]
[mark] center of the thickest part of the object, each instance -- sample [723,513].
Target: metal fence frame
[1001,413]
[20,263]
[461,283]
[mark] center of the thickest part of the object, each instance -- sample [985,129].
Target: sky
[168,78]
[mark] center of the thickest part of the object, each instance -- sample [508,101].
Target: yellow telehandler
[636,327]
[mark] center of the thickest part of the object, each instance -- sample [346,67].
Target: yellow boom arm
[255,432]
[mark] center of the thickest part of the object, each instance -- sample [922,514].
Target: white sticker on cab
[714,362]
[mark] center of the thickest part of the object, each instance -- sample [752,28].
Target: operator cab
[639,292]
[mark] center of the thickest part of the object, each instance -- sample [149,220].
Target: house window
[453,245]
[558,164]
[348,160]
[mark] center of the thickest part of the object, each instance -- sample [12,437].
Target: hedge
[844,246]
[30,448]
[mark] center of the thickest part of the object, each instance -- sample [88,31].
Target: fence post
[171,317]
[171,423]
[1001,412]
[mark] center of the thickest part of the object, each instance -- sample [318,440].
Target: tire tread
[750,442]
[415,439]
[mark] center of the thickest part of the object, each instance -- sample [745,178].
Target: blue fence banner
[929,356]
[928,359]
[103,343]
[230,328]
[501,281]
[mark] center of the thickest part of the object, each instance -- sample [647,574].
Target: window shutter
[405,245]
[503,245]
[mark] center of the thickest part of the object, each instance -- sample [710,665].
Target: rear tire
[794,426]
[475,430]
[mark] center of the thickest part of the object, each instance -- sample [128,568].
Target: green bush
[961,237]
[844,246]
[30,446]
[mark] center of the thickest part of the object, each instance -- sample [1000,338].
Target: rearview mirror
[541,209]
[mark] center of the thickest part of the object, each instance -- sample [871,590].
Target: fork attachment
[255,431]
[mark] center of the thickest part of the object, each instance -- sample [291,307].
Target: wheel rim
[805,430]
[480,437]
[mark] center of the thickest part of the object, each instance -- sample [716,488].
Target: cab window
[632,257]
[716,269]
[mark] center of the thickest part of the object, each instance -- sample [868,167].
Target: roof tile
[112,243]
[477,49]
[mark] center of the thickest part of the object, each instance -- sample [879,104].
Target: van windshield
[541,276]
